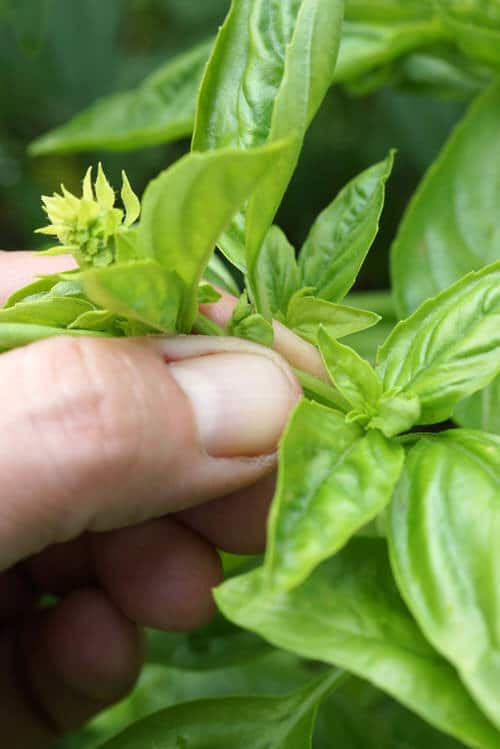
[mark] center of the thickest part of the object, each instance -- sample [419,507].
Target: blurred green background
[58,56]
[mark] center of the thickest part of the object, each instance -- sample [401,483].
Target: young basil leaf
[444,538]
[143,291]
[218,645]
[352,375]
[218,274]
[350,613]
[161,109]
[341,236]
[270,69]
[239,722]
[332,479]
[54,311]
[98,319]
[207,294]
[276,274]
[186,208]
[396,413]
[14,334]
[306,314]
[246,323]
[448,349]
[36,288]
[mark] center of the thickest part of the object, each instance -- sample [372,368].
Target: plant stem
[205,326]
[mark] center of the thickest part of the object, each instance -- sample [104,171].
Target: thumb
[99,434]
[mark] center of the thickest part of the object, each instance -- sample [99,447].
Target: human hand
[123,464]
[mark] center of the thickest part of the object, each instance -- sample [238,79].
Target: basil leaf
[218,645]
[239,722]
[364,627]
[276,274]
[475,28]
[14,334]
[161,109]
[270,69]
[352,375]
[448,348]
[186,208]
[482,410]
[98,319]
[142,291]
[341,236]
[48,310]
[218,274]
[444,536]
[38,287]
[449,227]
[306,314]
[332,479]
[366,45]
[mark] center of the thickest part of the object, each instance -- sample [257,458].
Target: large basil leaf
[186,208]
[445,541]
[333,478]
[236,722]
[448,348]
[342,235]
[271,67]
[450,227]
[159,110]
[349,613]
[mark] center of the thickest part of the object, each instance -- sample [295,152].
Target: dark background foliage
[58,56]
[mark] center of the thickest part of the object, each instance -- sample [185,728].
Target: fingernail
[241,401]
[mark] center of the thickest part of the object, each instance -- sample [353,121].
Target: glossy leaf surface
[277,274]
[332,479]
[445,541]
[186,208]
[449,348]
[343,233]
[349,613]
[270,69]
[306,314]
[237,722]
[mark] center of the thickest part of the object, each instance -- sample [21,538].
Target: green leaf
[218,645]
[332,479]
[236,722]
[276,274]
[270,69]
[448,349]
[35,288]
[186,208]
[207,294]
[306,314]
[445,541]
[352,375]
[218,274]
[349,613]
[54,311]
[248,324]
[482,410]
[475,27]
[367,45]
[161,109]
[451,226]
[341,236]
[143,291]
[13,335]
[99,319]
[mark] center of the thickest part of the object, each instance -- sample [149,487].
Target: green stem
[319,391]
[205,326]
